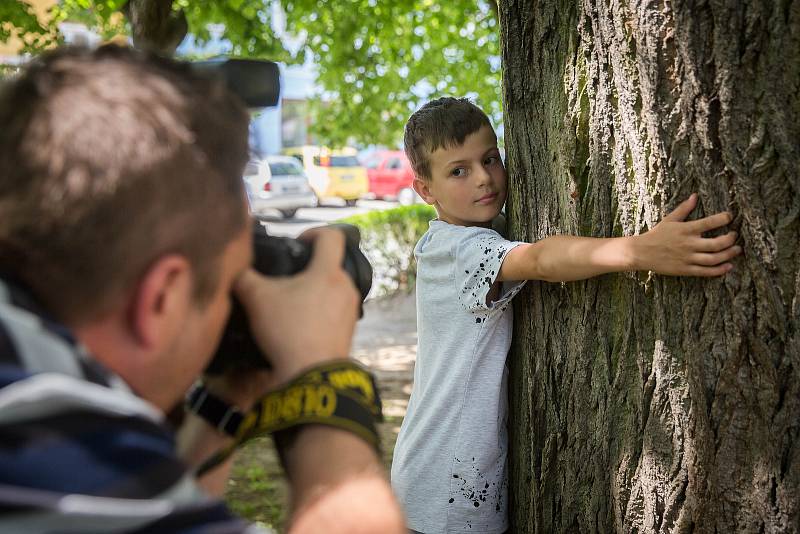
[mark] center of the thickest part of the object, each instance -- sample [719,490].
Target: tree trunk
[155,26]
[647,403]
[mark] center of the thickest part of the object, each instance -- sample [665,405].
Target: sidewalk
[386,342]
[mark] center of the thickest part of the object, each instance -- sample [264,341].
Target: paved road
[310,217]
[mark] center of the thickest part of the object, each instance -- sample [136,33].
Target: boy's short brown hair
[109,159]
[441,123]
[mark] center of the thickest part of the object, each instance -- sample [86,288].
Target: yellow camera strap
[340,393]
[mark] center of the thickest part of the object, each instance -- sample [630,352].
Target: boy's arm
[672,247]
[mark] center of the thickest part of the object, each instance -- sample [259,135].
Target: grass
[258,489]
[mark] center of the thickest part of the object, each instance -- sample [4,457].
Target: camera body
[280,256]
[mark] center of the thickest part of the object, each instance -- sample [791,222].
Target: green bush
[387,239]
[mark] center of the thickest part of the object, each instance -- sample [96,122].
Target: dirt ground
[386,342]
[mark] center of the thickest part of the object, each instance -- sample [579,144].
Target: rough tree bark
[645,403]
[155,25]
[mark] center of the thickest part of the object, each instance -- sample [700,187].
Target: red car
[390,176]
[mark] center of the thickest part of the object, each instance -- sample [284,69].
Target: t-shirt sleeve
[478,258]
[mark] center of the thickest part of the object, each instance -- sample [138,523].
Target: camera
[257,82]
[280,256]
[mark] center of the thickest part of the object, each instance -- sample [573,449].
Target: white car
[277,183]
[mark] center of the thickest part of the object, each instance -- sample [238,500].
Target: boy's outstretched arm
[673,247]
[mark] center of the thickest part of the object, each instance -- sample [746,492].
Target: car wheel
[407,196]
[288,214]
[350,202]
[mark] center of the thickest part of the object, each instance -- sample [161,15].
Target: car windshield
[284,168]
[372,163]
[251,169]
[336,161]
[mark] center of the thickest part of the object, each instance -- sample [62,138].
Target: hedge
[387,239]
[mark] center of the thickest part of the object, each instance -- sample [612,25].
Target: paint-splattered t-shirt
[449,466]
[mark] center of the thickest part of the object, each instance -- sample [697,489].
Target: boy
[449,466]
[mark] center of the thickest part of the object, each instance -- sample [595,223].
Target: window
[394,164]
[284,168]
[294,123]
[372,163]
[336,161]
[251,169]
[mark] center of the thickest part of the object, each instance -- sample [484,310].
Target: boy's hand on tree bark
[677,247]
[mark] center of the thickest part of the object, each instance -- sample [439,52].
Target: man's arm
[338,485]
[672,247]
[337,482]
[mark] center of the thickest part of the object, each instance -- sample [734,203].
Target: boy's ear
[422,187]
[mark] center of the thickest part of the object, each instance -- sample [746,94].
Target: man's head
[109,159]
[453,150]
[120,182]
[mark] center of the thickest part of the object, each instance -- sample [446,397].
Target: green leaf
[377,61]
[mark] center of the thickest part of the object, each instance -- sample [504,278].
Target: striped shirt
[79,451]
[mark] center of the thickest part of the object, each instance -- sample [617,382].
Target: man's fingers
[328,257]
[683,210]
[712,222]
[715,244]
[711,259]
[328,250]
[252,287]
[247,284]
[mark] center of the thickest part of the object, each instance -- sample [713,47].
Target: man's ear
[160,301]
[422,187]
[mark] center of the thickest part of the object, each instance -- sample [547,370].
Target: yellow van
[332,173]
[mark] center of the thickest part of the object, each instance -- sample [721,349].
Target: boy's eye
[458,172]
[491,160]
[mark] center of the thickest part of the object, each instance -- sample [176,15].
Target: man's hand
[298,322]
[677,247]
[305,319]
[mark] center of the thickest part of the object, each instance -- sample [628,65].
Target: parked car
[390,177]
[277,183]
[332,173]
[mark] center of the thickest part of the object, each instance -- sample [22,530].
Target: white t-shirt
[449,466]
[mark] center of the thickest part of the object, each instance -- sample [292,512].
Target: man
[124,232]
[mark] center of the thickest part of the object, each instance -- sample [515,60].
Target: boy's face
[468,182]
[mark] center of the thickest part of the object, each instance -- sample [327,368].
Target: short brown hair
[441,123]
[109,159]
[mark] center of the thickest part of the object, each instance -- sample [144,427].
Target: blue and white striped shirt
[79,451]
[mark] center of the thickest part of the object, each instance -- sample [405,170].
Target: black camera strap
[341,394]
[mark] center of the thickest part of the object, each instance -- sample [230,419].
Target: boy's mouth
[487,198]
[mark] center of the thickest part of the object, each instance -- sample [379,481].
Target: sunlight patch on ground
[395,408]
[392,358]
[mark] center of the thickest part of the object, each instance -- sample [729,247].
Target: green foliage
[103,16]
[377,61]
[387,239]
[7,71]
[247,25]
[17,18]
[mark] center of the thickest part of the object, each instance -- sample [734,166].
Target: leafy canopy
[376,60]
[18,19]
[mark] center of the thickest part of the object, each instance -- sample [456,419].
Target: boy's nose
[482,176]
